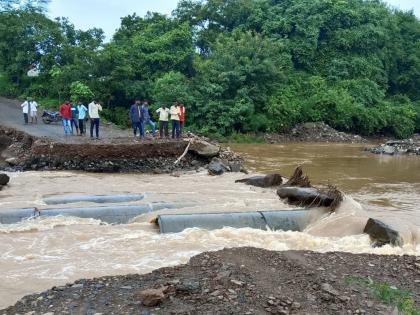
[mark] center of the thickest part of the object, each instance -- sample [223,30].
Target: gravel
[237,281]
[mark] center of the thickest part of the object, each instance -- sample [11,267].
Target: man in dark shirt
[146,118]
[136,118]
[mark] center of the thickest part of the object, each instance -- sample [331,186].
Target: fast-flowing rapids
[38,254]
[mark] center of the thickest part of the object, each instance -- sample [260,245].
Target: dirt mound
[313,132]
[244,281]
[20,151]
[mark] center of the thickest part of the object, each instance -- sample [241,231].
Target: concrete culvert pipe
[286,220]
[64,199]
[117,214]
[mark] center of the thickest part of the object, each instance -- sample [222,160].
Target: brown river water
[38,254]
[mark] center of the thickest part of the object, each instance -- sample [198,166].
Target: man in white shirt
[33,111]
[94,109]
[175,115]
[26,109]
[163,112]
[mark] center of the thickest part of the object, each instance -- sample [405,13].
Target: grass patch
[391,295]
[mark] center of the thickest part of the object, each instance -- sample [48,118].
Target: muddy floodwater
[38,254]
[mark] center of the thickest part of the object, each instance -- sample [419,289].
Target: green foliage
[240,66]
[172,86]
[80,91]
[391,295]
[118,115]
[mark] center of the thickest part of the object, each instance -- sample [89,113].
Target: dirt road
[11,116]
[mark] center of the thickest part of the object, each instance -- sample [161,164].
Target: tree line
[239,66]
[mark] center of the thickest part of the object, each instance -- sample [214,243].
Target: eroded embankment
[245,281]
[20,151]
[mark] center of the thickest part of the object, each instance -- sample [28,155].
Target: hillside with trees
[240,66]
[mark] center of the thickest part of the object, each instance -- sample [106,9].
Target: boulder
[204,148]
[235,167]
[382,234]
[4,179]
[152,297]
[269,180]
[387,149]
[12,161]
[217,167]
[305,196]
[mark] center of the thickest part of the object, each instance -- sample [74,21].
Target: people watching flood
[181,117]
[163,112]
[65,112]
[82,110]
[147,119]
[175,114]
[74,121]
[136,118]
[94,109]
[25,110]
[33,111]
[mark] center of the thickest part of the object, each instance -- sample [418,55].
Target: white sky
[106,14]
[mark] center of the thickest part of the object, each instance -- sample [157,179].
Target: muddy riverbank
[243,281]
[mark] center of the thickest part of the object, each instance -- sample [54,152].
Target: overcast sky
[106,14]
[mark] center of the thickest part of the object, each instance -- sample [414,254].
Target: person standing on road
[163,112]
[136,118]
[82,110]
[65,112]
[74,118]
[181,118]
[175,113]
[33,111]
[94,109]
[25,110]
[146,118]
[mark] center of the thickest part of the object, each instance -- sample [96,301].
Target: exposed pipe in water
[286,220]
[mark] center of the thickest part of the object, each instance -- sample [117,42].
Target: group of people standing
[74,117]
[30,110]
[140,118]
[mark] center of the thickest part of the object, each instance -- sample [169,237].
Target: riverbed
[39,254]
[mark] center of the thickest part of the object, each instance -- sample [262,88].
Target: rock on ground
[397,147]
[238,281]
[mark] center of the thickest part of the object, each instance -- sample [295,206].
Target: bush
[118,116]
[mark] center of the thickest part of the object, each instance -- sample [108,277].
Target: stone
[307,196]
[4,179]
[237,282]
[382,234]
[269,180]
[326,287]
[387,149]
[188,286]
[235,167]
[77,286]
[217,167]
[204,148]
[12,161]
[152,297]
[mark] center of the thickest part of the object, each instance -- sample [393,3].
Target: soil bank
[240,281]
